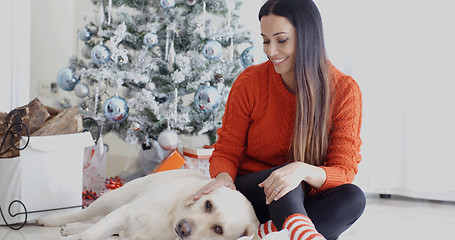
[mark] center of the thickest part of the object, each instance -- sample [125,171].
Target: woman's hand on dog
[222,179]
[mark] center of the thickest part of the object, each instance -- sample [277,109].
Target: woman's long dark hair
[311,127]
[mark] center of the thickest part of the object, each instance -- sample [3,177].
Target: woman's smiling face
[279,45]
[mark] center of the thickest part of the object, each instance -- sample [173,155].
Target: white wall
[14,53]
[54,28]
[402,55]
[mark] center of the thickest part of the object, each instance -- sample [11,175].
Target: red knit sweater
[259,120]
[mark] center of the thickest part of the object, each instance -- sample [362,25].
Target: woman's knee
[354,199]
[336,209]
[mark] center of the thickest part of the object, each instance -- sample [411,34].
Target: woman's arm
[343,152]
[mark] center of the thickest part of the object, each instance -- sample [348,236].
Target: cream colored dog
[160,206]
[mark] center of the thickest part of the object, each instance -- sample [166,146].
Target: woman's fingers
[223,179]
[275,186]
[205,190]
[271,187]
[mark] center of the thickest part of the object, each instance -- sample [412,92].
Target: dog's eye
[218,229]
[208,206]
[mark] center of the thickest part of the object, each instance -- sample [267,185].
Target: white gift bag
[95,167]
[46,176]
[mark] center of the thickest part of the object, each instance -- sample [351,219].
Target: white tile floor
[395,218]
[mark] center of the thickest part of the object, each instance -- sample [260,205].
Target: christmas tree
[150,65]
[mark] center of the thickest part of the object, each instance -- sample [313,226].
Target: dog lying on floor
[160,206]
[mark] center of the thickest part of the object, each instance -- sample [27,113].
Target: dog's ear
[251,231]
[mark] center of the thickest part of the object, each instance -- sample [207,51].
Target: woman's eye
[265,42]
[282,41]
[208,206]
[218,230]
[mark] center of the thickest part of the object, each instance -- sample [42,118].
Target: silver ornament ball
[252,56]
[207,98]
[81,90]
[212,50]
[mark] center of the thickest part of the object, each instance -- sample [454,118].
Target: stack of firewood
[41,120]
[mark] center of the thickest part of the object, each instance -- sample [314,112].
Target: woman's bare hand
[282,181]
[222,179]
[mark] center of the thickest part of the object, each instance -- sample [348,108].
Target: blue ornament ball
[252,56]
[66,79]
[84,34]
[166,4]
[207,98]
[100,54]
[151,39]
[115,109]
[212,50]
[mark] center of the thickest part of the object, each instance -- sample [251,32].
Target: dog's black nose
[183,228]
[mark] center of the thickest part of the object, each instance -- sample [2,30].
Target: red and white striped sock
[301,228]
[266,228]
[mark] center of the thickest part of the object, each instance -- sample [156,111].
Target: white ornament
[101,15]
[166,4]
[86,51]
[191,2]
[151,39]
[150,86]
[128,92]
[119,54]
[168,139]
[135,126]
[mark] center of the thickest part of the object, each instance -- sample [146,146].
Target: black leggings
[332,211]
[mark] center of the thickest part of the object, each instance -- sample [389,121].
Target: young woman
[290,139]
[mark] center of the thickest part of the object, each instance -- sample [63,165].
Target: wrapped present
[174,160]
[198,158]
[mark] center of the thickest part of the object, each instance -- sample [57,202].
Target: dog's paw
[47,221]
[73,228]
[71,237]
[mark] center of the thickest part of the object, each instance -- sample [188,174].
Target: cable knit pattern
[259,119]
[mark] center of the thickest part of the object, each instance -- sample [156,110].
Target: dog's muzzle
[183,228]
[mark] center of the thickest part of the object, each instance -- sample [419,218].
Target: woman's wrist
[224,176]
[313,175]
